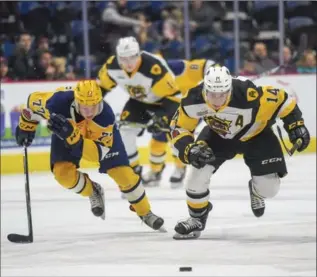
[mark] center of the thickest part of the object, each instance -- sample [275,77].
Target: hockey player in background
[83,127]
[152,90]
[239,116]
[189,74]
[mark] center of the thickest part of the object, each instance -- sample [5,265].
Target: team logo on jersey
[219,125]
[27,114]
[137,92]
[252,94]
[156,70]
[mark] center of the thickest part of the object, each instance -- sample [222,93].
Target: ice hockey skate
[257,202]
[191,228]
[97,201]
[153,221]
[152,178]
[177,177]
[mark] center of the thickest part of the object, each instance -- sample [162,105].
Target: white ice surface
[70,241]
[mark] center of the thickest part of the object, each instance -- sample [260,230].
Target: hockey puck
[185,268]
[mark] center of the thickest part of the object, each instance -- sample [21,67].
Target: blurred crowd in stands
[43,40]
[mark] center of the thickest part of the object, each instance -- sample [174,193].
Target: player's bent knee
[124,176]
[65,173]
[267,185]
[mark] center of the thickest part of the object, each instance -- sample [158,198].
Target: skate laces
[256,201]
[191,223]
[95,199]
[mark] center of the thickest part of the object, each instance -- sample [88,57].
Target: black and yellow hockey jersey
[189,74]
[149,83]
[249,111]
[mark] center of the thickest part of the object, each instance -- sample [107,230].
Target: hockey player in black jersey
[239,116]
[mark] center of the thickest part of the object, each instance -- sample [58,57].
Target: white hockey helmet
[217,86]
[217,79]
[127,47]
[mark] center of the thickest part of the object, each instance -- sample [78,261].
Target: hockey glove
[25,131]
[158,125]
[297,130]
[24,138]
[199,154]
[64,129]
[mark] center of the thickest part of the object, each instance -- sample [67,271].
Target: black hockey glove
[158,125]
[25,131]
[24,138]
[64,129]
[297,130]
[199,154]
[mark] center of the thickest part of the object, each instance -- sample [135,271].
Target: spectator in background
[248,65]
[4,70]
[119,23]
[172,43]
[308,63]
[201,18]
[42,46]
[262,61]
[287,55]
[22,61]
[60,69]
[45,69]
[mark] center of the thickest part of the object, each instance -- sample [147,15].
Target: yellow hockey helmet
[88,93]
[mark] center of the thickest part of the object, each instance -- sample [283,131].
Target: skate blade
[103,216]
[151,184]
[193,235]
[162,230]
[176,185]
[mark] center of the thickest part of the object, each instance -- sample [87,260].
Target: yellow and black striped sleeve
[275,103]
[165,87]
[35,110]
[272,103]
[104,80]
[182,129]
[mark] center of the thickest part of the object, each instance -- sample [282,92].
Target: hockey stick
[139,125]
[297,54]
[16,238]
[297,144]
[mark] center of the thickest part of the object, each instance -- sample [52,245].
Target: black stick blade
[16,238]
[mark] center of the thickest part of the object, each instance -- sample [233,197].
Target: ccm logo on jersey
[111,155]
[272,160]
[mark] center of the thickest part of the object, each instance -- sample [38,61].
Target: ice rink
[70,241]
